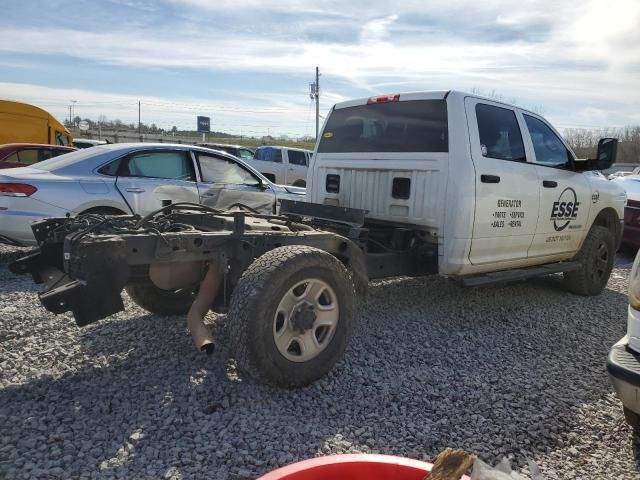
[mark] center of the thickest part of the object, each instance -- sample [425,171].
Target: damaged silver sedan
[129,179]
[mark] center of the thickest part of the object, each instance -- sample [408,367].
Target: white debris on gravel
[516,371]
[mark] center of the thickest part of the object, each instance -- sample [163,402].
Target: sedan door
[151,179]
[226,183]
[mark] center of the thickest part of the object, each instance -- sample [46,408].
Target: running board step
[518,274]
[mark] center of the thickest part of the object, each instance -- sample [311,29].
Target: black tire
[104,211]
[632,418]
[596,256]
[300,183]
[162,302]
[256,299]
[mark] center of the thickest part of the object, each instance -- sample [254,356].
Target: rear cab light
[17,189]
[394,97]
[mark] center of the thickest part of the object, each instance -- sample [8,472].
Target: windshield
[69,159]
[406,126]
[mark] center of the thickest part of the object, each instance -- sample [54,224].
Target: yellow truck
[24,123]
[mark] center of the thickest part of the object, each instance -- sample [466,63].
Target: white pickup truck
[282,165]
[407,184]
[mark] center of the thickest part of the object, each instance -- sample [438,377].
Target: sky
[248,63]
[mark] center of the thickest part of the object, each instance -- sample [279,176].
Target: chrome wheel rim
[305,320]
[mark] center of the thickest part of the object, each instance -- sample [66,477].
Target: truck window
[268,154]
[297,157]
[245,154]
[61,138]
[500,135]
[409,126]
[549,148]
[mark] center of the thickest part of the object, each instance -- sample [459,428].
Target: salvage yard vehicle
[14,155]
[21,122]
[135,178]
[284,165]
[623,362]
[408,184]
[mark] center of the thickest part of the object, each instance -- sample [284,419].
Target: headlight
[634,284]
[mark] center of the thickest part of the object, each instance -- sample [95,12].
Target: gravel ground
[514,371]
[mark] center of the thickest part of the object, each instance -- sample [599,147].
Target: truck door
[565,195]
[151,179]
[507,193]
[296,168]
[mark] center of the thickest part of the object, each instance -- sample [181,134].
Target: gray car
[130,178]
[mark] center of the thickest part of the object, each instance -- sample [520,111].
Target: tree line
[584,142]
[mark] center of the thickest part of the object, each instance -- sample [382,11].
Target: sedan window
[28,156]
[170,165]
[11,158]
[220,170]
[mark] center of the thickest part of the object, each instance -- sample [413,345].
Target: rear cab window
[268,154]
[400,126]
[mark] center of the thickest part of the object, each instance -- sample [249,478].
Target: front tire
[162,302]
[291,315]
[632,418]
[596,256]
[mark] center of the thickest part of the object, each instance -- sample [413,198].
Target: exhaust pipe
[195,318]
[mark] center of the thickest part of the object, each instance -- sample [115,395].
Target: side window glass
[111,168]
[170,165]
[219,170]
[268,154]
[12,158]
[47,154]
[500,135]
[548,147]
[61,138]
[28,156]
[297,157]
[246,154]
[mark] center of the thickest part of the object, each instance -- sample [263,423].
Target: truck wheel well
[608,218]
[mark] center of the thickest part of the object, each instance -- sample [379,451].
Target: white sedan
[130,179]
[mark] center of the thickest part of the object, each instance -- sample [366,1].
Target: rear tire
[291,316]
[300,183]
[596,256]
[162,302]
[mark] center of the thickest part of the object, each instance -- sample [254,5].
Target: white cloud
[572,59]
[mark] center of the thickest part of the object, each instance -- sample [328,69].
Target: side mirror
[606,156]
[607,151]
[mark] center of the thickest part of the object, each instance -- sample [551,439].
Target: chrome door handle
[291,169]
[135,190]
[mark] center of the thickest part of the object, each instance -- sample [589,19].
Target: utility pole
[314,94]
[70,118]
[139,122]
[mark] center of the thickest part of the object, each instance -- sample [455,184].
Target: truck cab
[495,186]
[282,165]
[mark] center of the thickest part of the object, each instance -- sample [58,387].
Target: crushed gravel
[515,371]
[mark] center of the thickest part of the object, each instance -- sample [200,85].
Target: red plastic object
[353,467]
